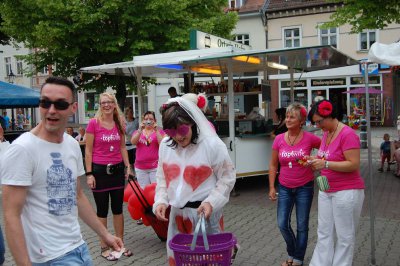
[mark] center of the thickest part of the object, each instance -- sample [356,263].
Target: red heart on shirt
[221,223]
[184,226]
[171,171]
[195,176]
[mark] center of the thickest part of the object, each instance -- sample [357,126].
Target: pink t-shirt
[106,143]
[147,151]
[347,139]
[293,174]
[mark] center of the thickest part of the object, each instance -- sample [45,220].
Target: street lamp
[11,77]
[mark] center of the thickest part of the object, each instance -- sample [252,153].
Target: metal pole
[370,170]
[291,72]
[231,114]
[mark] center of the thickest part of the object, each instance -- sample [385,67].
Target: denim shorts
[79,256]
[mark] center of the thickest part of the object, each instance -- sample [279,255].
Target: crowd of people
[192,169]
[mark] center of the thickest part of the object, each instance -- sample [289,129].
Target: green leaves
[78,33]
[365,14]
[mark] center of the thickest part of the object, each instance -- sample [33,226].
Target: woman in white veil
[195,173]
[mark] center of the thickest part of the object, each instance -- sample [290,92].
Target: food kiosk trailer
[247,138]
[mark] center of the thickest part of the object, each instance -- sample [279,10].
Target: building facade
[295,24]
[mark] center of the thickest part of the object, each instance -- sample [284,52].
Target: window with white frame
[20,67]
[44,70]
[367,38]
[235,3]
[242,38]
[291,37]
[328,36]
[7,61]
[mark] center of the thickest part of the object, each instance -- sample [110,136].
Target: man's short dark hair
[171,89]
[60,81]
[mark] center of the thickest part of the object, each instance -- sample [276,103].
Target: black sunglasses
[59,105]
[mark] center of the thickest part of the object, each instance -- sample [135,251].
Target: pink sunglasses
[182,130]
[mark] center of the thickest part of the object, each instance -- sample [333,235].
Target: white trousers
[145,177]
[338,211]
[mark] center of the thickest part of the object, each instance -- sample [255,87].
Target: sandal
[106,254]
[127,253]
[287,263]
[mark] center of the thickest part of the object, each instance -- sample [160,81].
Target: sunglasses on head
[59,105]
[182,130]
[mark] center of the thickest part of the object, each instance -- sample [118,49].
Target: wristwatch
[326,164]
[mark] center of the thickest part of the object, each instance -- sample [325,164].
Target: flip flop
[127,253]
[287,263]
[107,254]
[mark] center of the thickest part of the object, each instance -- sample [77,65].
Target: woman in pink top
[107,165]
[147,140]
[296,185]
[339,208]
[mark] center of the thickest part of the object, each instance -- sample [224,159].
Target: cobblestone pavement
[252,217]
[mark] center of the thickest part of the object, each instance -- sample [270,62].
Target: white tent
[388,54]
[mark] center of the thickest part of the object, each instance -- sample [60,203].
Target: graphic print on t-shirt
[293,154]
[61,187]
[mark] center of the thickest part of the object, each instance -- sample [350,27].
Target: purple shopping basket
[219,252]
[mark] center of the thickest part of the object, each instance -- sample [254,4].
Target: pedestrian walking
[296,181]
[195,173]
[107,166]
[339,207]
[42,195]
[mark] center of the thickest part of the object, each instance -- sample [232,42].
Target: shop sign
[296,83]
[373,69]
[203,40]
[328,82]
[360,80]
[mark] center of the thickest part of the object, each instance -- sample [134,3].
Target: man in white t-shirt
[42,196]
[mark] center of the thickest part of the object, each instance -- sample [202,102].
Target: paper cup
[322,183]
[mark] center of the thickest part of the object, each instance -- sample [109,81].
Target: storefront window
[300,96]
[285,98]
[358,107]
[317,95]
[91,104]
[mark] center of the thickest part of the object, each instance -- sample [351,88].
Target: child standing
[385,152]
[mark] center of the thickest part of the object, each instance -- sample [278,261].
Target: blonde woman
[296,182]
[107,165]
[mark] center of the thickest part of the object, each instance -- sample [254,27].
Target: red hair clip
[201,101]
[303,112]
[325,108]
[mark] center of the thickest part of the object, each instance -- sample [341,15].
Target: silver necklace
[292,142]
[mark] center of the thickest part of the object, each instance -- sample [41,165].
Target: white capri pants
[145,177]
[337,211]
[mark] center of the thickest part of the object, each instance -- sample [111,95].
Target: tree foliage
[365,14]
[4,38]
[71,34]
